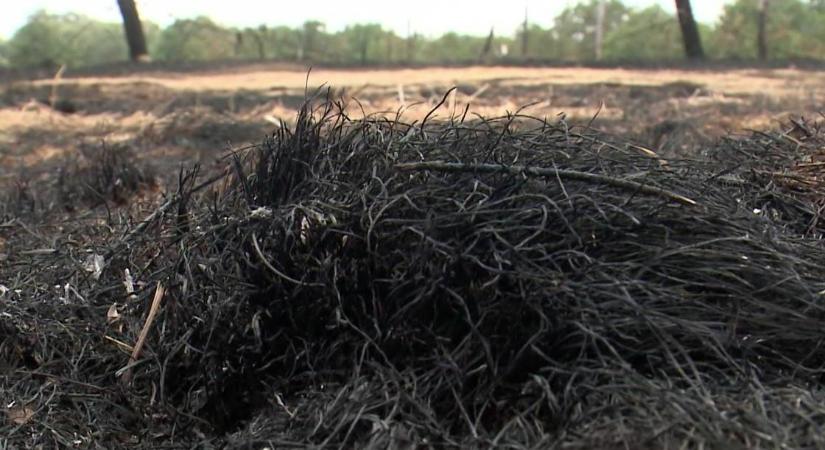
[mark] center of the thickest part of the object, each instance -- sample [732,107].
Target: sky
[429,17]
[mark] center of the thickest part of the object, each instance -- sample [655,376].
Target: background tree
[364,42]
[525,35]
[282,43]
[411,47]
[690,32]
[262,43]
[599,34]
[575,28]
[49,40]
[134,30]
[488,47]
[4,48]
[452,48]
[762,19]
[631,40]
[544,43]
[313,41]
[794,31]
[198,39]
[256,38]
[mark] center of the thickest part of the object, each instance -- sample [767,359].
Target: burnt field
[474,257]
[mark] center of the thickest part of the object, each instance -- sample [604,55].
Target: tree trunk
[690,32]
[762,21]
[488,47]
[134,30]
[258,35]
[238,43]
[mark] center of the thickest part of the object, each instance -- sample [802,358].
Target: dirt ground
[179,118]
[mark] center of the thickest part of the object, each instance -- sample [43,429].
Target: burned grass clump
[101,175]
[455,279]
[202,128]
[17,199]
[503,282]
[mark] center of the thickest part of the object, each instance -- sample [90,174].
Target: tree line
[606,30]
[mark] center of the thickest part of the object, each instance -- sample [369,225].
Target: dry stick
[648,152]
[451,106]
[477,93]
[401,97]
[544,172]
[153,311]
[801,126]
[53,97]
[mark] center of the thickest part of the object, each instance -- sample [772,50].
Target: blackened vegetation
[337,291]
[102,174]
[99,176]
